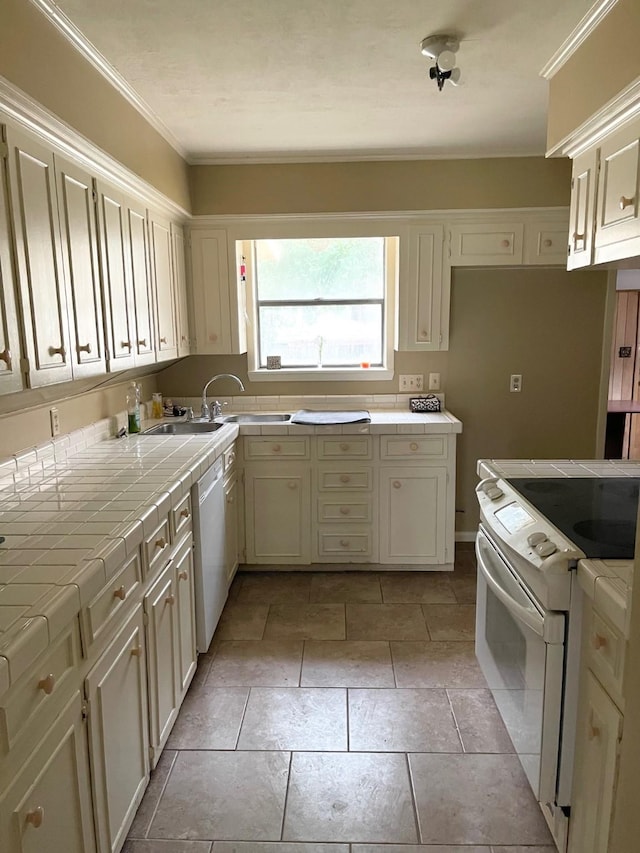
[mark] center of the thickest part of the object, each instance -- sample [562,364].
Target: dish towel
[311,418]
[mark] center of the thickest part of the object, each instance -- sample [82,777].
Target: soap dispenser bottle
[133,407]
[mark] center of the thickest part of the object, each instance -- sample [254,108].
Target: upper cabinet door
[39,258]
[582,210]
[166,337]
[424,291]
[80,254]
[180,287]
[115,250]
[211,291]
[618,220]
[144,340]
[10,375]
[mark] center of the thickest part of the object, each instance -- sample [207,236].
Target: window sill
[322,374]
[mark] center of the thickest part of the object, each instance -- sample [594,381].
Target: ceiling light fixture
[442,49]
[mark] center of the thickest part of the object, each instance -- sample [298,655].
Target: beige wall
[35,57]
[376,186]
[546,324]
[606,63]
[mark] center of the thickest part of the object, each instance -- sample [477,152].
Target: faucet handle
[189,413]
[204,410]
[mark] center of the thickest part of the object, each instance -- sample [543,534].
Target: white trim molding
[580,34]
[82,44]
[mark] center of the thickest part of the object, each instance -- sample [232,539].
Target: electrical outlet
[411,382]
[434,382]
[55,421]
[516,382]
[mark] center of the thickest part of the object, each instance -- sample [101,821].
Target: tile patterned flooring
[341,713]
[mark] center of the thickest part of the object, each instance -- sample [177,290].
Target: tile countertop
[607,582]
[69,521]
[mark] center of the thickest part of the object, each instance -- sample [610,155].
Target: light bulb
[446,60]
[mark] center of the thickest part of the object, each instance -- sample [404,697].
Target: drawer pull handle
[170,599]
[626,202]
[183,575]
[120,593]
[86,348]
[136,652]
[183,338]
[292,484]
[345,478]
[396,484]
[161,542]
[185,513]
[505,244]
[47,684]
[142,343]
[126,345]
[231,458]
[163,340]
[423,335]
[344,446]
[230,499]
[547,243]
[5,356]
[57,351]
[577,238]
[414,445]
[599,641]
[345,510]
[35,817]
[344,543]
[593,731]
[276,448]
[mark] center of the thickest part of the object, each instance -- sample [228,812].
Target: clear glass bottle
[133,407]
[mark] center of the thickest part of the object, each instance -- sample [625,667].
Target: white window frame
[325,374]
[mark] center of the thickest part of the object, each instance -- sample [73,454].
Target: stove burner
[621,488]
[608,531]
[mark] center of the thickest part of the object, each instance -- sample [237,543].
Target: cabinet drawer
[346,479]
[545,243]
[229,458]
[37,695]
[606,653]
[180,517]
[332,543]
[495,244]
[345,509]
[276,447]
[345,447]
[101,611]
[413,447]
[155,548]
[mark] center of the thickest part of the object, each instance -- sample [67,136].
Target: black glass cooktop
[597,514]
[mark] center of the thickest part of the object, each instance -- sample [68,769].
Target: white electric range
[540,521]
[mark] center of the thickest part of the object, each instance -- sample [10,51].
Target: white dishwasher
[211,583]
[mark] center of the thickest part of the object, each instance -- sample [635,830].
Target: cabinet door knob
[183,338]
[599,641]
[577,238]
[35,817]
[185,513]
[136,652]
[593,731]
[170,599]
[5,356]
[84,348]
[161,542]
[276,448]
[120,593]
[142,343]
[505,244]
[163,340]
[183,575]
[345,478]
[47,684]
[292,484]
[345,510]
[414,445]
[626,202]
[57,351]
[396,484]
[230,499]
[547,243]
[213,337]
[344,543]
[344,446]
[423,334]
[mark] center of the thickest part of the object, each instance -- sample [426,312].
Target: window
[322,305]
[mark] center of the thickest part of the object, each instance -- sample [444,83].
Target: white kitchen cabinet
[231,526]
[10,353]
[185,591]
[584,179]
[484,243]
[277,512]
[116,691]
[617,233]
[596,769]
[137,247]
[218,316]
[180,286]
[545,242]
[47,805]
[163,287]
[80,256]
[424,292]
[39,258]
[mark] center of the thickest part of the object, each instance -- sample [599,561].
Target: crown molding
[302,158]
[82,44]
[581,33]
[618,111]
[17,105]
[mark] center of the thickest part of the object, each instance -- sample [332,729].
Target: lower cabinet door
[231,543]
[413,504]
[278,514]
[161,608]
[47,807]
[116,689]
[187,655]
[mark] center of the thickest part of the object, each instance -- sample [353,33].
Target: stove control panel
[536,538]
[546,549]
[491,489]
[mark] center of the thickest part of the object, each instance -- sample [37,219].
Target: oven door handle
[495,576]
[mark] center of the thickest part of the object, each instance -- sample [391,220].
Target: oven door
[520,649]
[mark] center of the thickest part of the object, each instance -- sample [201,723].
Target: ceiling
[270,80]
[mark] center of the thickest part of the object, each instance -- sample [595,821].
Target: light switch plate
[411,382]
[515,384]
[55,421]
[434,382]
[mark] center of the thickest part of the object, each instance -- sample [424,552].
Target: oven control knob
[494,493]
[536,538]
[546,549]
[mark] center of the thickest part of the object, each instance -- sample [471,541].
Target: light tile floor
[341,712]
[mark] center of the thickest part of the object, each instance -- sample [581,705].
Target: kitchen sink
[183,428]
[256,419]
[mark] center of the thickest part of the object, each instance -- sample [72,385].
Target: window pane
[331,268]
[331,335]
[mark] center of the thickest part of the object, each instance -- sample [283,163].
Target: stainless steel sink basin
[183,428]
[256,419]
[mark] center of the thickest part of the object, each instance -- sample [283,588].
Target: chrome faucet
[215,409]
